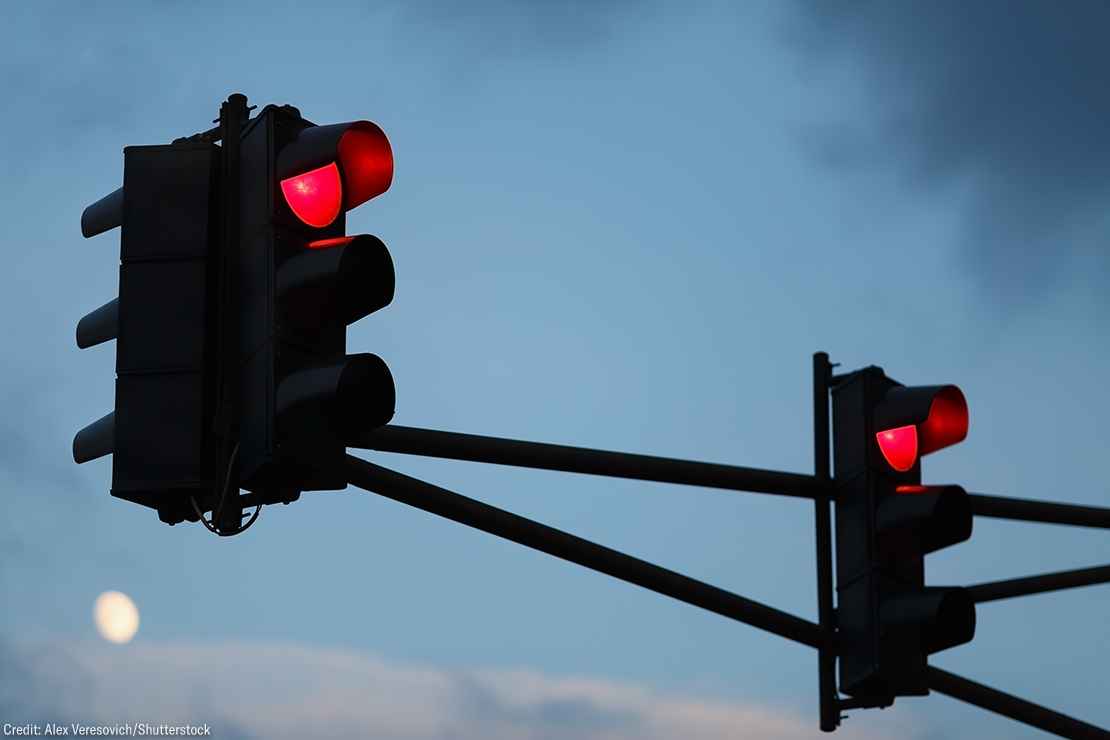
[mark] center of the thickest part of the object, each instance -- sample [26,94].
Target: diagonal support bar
[1047,512]
[1011,706]
[477,448]
[501,523]
[1039,584]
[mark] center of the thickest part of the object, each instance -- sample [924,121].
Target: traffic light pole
[501,523]
[227,516]
[828,698]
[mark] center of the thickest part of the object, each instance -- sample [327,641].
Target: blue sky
[621,225]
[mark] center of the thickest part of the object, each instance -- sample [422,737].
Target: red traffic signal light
[889,621]
[304,281]
[314,196]
[913,422]
[327,169]
[899,446]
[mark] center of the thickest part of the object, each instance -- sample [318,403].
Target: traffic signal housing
[237,283]
[302,281]
[158,433]
[888,620]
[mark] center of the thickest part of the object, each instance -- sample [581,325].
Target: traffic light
[888,620]
[237,283]
[302,280]
[158,433]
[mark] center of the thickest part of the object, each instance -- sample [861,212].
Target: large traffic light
[163,452]
[888,620]
[237,283]
[302,280]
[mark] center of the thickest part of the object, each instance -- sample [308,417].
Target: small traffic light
[302,281]
[163,453]
[888,620]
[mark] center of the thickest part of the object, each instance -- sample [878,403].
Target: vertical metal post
[228,515]
[826,653]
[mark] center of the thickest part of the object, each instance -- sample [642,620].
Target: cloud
[290,691]
[1003,101]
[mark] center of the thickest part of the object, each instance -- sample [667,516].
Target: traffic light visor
[946,423]
[367,162]
[349,393]
[943,617]
[936,516]
[339,279]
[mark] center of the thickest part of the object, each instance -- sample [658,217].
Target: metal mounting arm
[1011,706]
[477,448]
[1046,512]
[1039,584]
[501,523]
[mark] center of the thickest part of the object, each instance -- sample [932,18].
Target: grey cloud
[479,705]
[58,684]
[289,691]
[20,699]
[1003,100]
[34,685]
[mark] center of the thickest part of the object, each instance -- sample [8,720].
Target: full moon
[116,617]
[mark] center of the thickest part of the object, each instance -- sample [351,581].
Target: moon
[116,617]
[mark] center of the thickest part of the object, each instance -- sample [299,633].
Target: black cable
[210,524]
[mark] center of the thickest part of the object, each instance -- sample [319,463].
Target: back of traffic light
[888,620]
[163,455]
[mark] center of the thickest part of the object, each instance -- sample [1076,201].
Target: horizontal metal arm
[501,523]
[1011,706]
[1039,584]
[1039,511]
[476,448]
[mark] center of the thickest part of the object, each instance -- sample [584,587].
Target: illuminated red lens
[947,421]
[899,447]
[315,196]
